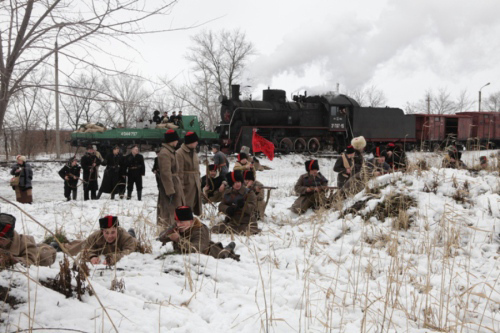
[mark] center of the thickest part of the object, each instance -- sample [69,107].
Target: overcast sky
[402,47]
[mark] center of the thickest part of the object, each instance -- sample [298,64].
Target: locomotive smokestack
[235,92]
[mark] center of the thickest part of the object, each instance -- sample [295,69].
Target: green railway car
[145,138]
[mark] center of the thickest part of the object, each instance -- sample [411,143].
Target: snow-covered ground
[326,271]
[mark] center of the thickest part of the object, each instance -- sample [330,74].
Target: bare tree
[127,96]
[199,100]
[219,60]
[493,102]
[45,106]
[369,96]
[463,102]
[25,116]
[29,30]
[79,100]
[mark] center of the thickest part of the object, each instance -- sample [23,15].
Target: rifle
[163,237]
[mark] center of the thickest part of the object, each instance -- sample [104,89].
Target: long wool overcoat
[189,174]
[171,193]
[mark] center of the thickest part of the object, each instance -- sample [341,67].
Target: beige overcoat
[96,245]
[189,174]
[24,250]
[171,193]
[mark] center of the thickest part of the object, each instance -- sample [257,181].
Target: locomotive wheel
[300,145]
[286,145]
[313,145]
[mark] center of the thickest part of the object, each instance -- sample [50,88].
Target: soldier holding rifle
[311,188]
[70,172]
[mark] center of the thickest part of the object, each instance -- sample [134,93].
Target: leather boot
[129,195]
[139,195]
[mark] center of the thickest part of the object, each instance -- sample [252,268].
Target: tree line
[89,92]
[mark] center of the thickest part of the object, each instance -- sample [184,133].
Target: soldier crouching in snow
[112,241]
[238,203]
[311,188]
[210,185]
[16,248]
[257,188]
[191,236]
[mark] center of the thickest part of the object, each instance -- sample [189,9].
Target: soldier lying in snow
[16,248]
[112,241]
[191,236]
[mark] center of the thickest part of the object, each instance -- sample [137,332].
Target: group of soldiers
[120,171]
[175,119]
[352,174]
[238,194]
[182,193]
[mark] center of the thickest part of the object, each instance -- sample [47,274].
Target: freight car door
[337,118]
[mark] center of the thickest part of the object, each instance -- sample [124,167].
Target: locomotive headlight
[222,98]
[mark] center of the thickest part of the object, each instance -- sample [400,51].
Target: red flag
[262,145]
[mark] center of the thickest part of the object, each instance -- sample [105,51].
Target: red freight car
[485,126]
[441,130]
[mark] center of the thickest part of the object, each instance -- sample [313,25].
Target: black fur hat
[190,137]
[171,136]
[184,213]
[233,177]
[108,222]
[7,225]
[390,146]
[212,167]
[312,165]
[156,112]
[248,175]
[350,149]
[242,156]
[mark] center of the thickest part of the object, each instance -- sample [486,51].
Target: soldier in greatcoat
[453,159]
[189,172]
[114,178]
[377,166]
[358,178]
[238,203]
[257,188]
[344,166]
[220,160]
[171,193]
[70,173]
[396,156]
[16,248]
[111,241]
[242,163]
[191,236]
[90,163]
[311,188]
[211,185]
[134,162]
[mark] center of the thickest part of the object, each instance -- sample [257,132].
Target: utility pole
[479,104]
[58,138]
[428,104]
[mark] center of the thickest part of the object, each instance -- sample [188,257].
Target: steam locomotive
[309,123]
[329,122]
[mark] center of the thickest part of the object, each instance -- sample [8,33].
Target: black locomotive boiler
[308,123]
